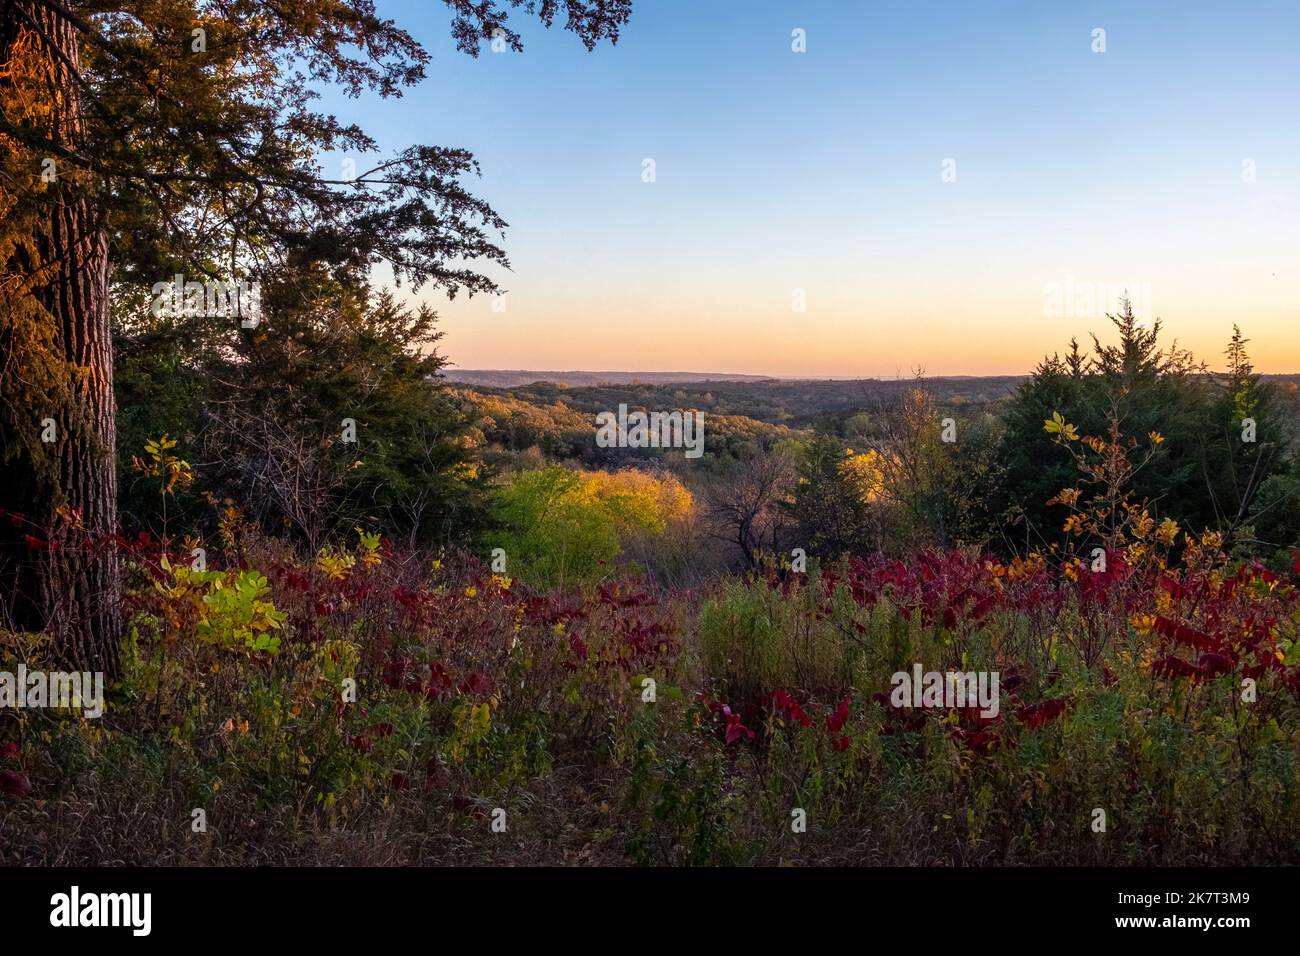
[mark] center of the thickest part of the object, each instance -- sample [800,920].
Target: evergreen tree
[1204,475]
[1255,442]
[336,415]
[829,508]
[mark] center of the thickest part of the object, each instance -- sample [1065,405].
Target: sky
[957,187]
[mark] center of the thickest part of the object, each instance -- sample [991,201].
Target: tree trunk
[59,569]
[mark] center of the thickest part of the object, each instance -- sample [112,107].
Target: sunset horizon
[829,191]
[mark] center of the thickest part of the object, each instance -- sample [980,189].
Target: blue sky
[821,171]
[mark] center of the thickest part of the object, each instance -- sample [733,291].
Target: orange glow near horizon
[923,191]
[966,329]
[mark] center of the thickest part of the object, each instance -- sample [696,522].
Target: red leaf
[1172,667]
[1035,715]
[787,702]
[736,730]
[1212,665]
[477,684]
[835,722]
[1182,634]
[14,784]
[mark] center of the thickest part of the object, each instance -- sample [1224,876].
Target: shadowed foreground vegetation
[770,694]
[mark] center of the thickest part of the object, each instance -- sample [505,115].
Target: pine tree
[1075,363]
[1243,383]
[274,420]
[1136,359]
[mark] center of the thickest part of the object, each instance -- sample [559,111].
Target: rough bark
[72,590]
